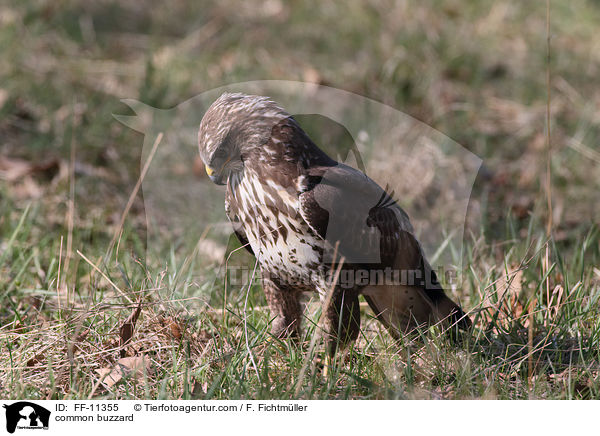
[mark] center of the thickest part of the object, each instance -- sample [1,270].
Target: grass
[55,342]
[472,70]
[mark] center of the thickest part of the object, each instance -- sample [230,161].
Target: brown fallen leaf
[171,325]
[81,336]
[126,330]
[175,328]
[109,377]
[38,358]
[13,169]
[128,367]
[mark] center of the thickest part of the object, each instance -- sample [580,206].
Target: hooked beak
[215,178]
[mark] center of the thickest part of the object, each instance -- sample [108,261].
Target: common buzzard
[314,224]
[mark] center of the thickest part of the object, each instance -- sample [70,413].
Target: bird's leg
[284,304]
[341,320]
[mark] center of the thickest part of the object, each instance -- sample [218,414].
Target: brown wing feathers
[370,223]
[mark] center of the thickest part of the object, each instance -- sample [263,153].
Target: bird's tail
[402,309]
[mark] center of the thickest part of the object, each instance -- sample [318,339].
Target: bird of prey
[317,225]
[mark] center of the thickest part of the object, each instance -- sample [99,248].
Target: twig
[133,194]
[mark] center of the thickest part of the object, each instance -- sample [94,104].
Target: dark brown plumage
[304,216]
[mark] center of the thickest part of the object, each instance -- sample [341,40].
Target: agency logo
[26,415]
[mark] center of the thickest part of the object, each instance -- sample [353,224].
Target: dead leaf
[126,331]
[38,358]
[13,169]
[128,367]
[107,377]
[80,337]
[174,328]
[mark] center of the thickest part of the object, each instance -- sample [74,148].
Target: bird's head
[233,126]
